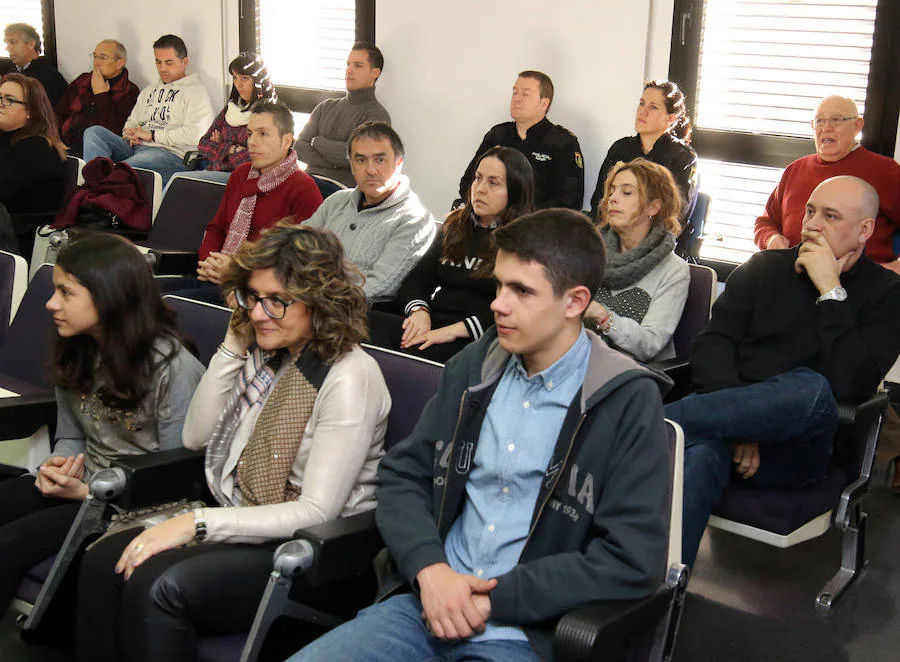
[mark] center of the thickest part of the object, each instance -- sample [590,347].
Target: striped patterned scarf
[243,217]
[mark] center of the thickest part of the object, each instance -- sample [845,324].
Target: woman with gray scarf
[643,293]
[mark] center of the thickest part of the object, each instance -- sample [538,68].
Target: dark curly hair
[311,266]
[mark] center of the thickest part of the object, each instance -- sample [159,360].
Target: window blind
[305,42]
[764,65]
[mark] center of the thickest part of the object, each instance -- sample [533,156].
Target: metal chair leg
[853,562]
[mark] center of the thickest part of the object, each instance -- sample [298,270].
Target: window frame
[48,18]
[882,98]
[301,99]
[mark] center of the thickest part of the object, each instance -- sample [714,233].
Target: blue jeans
[394,630]
[793,418]
[99,141]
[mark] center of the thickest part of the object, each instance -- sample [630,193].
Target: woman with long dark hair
[447,297]
[645,285]
[224,145]
[32,157]
[292,413]
[663,136]
[123,380]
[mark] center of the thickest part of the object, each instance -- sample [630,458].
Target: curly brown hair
[310,263]
[655,182]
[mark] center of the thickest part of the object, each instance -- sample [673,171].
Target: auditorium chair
[151,182]
[327,185]
[643,629]
[691,239]
[186,209]
[784,518]
[28,400]
[13,282]
[142,481]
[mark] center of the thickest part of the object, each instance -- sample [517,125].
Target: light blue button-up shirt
[516,442]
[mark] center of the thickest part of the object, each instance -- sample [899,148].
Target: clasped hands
[137,136]
[454,605]
[61,477]
[214,267]
[417,331]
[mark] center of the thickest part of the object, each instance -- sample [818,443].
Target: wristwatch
[835,294]
[199,525]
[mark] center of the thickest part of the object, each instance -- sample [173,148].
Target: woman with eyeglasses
[32,162]
[292,413]
[123,380]
[224,145]
[663,135]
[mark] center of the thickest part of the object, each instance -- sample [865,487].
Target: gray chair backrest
[201,325]
[186,209]
[695,316]
[26,348]
[412,382]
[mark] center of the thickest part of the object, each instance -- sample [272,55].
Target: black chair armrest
[167,261]
[21,416]
[679,371]
[333,550]
[599,630]
[163,476]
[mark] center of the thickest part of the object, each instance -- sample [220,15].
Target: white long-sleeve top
[336,462]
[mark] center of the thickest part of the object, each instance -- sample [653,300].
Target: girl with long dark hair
[447,297]
[123,382]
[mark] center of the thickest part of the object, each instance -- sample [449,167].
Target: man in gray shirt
[322,144]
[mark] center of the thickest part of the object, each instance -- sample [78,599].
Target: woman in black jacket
[32,159]
[664,137]
[447,298]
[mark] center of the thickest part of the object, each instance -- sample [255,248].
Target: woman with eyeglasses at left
[32,162]
[292,413]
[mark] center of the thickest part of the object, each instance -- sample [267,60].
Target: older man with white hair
[836,125]
[794,330]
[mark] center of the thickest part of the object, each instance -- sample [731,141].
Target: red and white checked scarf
[240,224]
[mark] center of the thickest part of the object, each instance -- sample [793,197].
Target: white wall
[211,40]
[450,68]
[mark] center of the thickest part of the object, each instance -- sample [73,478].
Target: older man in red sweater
[837,123]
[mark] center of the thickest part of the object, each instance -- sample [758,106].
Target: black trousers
[171,600]
[32,529]
[386,330]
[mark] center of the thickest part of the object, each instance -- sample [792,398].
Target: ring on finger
[139,547]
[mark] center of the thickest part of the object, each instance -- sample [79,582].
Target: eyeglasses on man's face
[831,122]
[7,100]
[274,307]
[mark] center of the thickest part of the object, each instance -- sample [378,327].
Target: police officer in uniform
[552,150]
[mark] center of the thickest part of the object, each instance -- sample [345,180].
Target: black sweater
[42,70]
[32,178]
[461,298]
[676,156]
[767,322]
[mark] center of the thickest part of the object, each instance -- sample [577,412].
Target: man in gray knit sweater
[384,227]
[322,144]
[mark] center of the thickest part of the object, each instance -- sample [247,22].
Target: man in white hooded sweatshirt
[167,121]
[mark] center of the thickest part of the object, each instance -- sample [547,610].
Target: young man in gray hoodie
[168,119]
[537,478]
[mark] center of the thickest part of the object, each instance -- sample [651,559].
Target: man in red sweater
[837,123]
[259,193]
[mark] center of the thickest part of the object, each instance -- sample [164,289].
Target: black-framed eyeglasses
[274,307]
[819,122]
[6,100]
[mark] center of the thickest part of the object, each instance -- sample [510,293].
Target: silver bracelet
[231,355]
